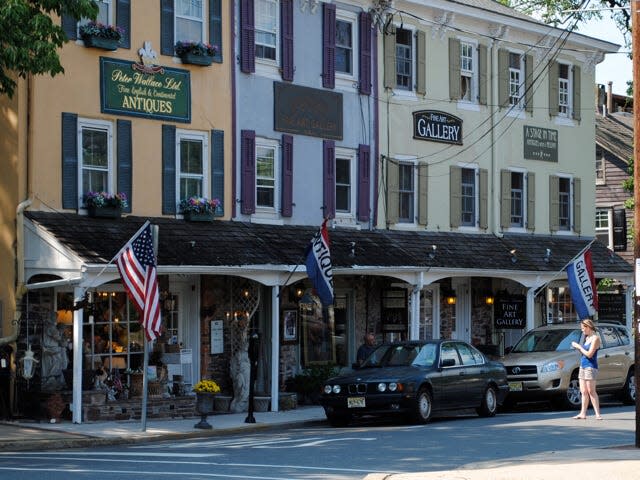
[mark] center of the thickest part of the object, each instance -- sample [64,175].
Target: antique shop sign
[436,126]
[540,144]
[128,89]
[509,313]
[307,111]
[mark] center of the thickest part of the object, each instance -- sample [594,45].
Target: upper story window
[95,156]
[564,91]
[266,175]
[345,182]
[189,20]
[406,192]
[105,14]
[564,105]
[516,79]
[517,202]
[603,225]
[468,197]
[404,59]
[468,200]
[266,30]
[517,199]
[191,164]
[600,167]
[405,62]
[345,35]
[467,72]
[407,183]
[564,203]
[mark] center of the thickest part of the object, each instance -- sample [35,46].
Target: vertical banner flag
[137,267]
[583,285]
[319,265]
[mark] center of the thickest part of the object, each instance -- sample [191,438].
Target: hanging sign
[436,126]
[510,313]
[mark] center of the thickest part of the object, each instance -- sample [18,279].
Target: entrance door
[463,309]
[187,325]
[344,344]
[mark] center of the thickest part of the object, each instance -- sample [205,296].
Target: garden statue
[54,356]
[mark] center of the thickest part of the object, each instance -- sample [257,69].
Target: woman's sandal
[578,417]
[599,417]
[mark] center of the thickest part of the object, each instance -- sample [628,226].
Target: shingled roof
[229,243]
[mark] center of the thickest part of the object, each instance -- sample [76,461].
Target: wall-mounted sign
[510,312]
[128,88]
[540,144]
[307,111]
[436,126]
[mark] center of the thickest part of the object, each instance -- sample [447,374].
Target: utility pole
[635,51]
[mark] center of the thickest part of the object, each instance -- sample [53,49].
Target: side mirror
[447,362]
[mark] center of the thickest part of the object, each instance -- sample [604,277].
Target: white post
[76,399]
[275,348]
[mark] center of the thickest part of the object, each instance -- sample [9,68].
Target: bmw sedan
[417,379]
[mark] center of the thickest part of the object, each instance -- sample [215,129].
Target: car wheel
[338,419]
[572,399]
[424,404]
[628,393]
[489,404]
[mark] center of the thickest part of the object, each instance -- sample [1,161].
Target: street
[319,451]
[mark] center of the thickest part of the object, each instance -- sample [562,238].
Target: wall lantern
[450,299]
[489,299]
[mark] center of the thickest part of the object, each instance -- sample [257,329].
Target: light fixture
[432,253]
[514,258]
[547,256]
[489,299]
[450,299]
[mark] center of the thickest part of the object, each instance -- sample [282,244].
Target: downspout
[495,210]
[376,131]
[232,15]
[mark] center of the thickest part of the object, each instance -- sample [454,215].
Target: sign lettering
[436,126]
[540,144]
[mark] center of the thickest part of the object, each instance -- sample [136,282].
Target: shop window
[318,331]
[394,314]
[559,306]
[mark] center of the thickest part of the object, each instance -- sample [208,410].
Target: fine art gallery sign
[436,126]
[510,313]
[128,88]
[540,144]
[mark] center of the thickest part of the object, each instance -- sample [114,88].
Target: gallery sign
[436,126]
[129,88]
[509,312]
[540,144]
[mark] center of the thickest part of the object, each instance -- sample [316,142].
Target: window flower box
[198,216]
[193,59]
[200,209]
[105,205]
[196,53]
[99,35]
[107,211]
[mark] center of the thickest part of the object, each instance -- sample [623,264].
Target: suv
[542,365]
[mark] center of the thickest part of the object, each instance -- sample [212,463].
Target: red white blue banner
[319,269]
[582,284]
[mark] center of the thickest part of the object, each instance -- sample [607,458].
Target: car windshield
[547,340]
[401,355]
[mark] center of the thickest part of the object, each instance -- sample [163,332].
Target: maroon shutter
[329,180]
[287,175]
[247,37]
[248,159]
[364,22]
[364,182]
[328,45]
[286,18]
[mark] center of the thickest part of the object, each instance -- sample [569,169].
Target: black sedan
[416,379]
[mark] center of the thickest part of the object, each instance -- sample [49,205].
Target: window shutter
[528,83]
[215,28]
[554,203]
[619,230]
[454,70]
[247,37]
[484,199]
[248,159]
[423,182]
[503,78]
[123,20]
[329,180]
[70,26]
[167,41]
[169,169]
[217,166]
[328,45]
[287,175]
[421,63]
[364,182]
[125,159]
[455,187]
[69,160]
[505,199]
[577,206]
[482,74]
[531,201]
[393,187]
[577,103]
[553,89]
[364,23]
[286,19]
[390,57]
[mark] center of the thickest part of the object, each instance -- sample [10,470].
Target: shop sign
[540,144]
[127,88]
[510,313]
[436,126]
[307,111]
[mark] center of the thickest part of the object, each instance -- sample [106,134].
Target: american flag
[137,267]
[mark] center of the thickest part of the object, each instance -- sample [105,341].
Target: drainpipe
[610,97]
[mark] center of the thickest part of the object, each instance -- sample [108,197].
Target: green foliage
[31,39]
[311,380]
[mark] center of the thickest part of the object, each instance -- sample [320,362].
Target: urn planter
[204,406]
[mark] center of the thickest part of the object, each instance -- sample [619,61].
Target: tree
[30,39]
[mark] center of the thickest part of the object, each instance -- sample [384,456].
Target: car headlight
[382,387]
[336,389]
[327,389]
[393,386]
[552,366]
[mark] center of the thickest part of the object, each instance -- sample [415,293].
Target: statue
[54,356]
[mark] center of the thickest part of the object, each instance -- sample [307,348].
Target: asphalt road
[323,452]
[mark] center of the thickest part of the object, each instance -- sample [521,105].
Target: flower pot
[204,406]
[196,59]
[198,216]
[99,42]
[106,211]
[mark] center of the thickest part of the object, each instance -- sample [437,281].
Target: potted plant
[196,53]
[105,205]
[200,209]
[206,391]
[99,35]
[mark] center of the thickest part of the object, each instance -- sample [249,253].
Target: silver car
[542,365]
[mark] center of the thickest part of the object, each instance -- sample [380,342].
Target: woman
[588,369]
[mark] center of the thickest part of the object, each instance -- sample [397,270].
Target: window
[468,197]
[405,62]
[266,30]
[560,306]
[564,201]
[105,14]
[564,204]
[516,77]
[469,203]
[467,81]
[564,91]
[344,46]
[406,192]
[517,210]
[404,59]
[189,20]
[600,167]
[517,199]
[265,176]
[95,152]
[191,164]
[603,224]
[345,182]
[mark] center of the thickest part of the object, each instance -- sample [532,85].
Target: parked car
[416,379]
[542,365]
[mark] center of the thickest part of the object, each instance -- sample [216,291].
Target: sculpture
[54,356]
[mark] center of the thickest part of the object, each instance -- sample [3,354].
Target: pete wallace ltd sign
[436,126]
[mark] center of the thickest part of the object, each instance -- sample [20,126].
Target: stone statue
[54,356]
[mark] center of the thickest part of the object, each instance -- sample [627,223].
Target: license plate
[515,386]
[355,402]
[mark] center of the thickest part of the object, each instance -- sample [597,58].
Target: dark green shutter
[123,20]
[70,26]
[69,160]
[169,169]
[167,41]
[390,58]
[125,159]
[215,28]
[423,182]
[217,167]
